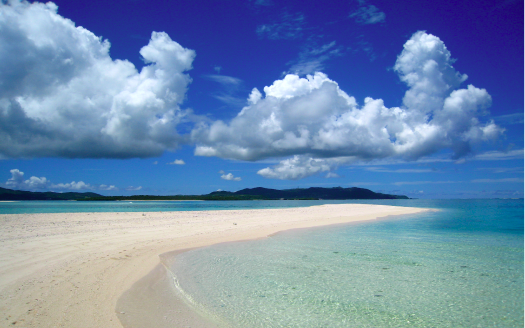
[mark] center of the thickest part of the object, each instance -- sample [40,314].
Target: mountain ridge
[257,193]
[312,192]
[10,194]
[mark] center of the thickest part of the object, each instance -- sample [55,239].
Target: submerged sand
[70,269]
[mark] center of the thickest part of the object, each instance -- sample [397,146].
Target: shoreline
[71,269]
[160,200]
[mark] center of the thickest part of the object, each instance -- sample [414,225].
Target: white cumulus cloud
[17,181]
[107,188]
[229,176]
[332,175]
[296,168]
[41,184]
[80,185]
[177,162]
[315,121]
[62,95]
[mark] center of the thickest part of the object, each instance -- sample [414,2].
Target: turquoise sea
[461,266]
[155,206]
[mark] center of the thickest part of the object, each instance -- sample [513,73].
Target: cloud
[225,80]
[177,162]
[156,162]
[520,180]
[499,155]
[313,58]
[517,169]
[384,170]
[131,188]
[106,187]
[263,2]
[230,86]
[403,183]
[368,15]
[365,46]
[17,181]
[509,119]
[229,176]
[77,186]
[332,175]
[288,26]
[61,94]
[365,183]
[300,167]
[314,121]
[35,183]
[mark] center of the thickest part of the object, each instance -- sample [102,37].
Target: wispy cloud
[365,184]
[230,86]
[509,119]
[382,169]
[518,169]
[225,80]
[288,26]
[368,15]
[313,58]
[362,45]
[403,183]
[230,100]
[131,188]
[499,155]
[497,180]
[265,3]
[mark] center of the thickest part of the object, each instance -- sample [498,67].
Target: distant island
[244,194]
[9,194]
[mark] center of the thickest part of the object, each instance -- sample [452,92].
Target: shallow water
[461,266]
[21,207]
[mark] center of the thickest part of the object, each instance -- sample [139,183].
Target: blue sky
[420,98]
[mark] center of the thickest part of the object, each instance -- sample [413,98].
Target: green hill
[311,193]
[8,194]
[258,193]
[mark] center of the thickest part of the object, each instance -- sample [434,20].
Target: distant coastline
[163,200]
[259,193]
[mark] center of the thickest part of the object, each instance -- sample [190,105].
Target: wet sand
[78,269]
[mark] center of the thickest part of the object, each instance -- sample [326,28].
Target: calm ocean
[461,266]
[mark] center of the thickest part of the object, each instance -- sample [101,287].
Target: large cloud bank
[322,127]
[62,95]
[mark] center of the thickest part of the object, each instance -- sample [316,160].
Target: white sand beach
[70,269]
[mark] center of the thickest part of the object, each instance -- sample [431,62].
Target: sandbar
[70,269]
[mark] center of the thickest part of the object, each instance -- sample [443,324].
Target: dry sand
[70,269]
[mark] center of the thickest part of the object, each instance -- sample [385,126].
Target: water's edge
[156,300]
